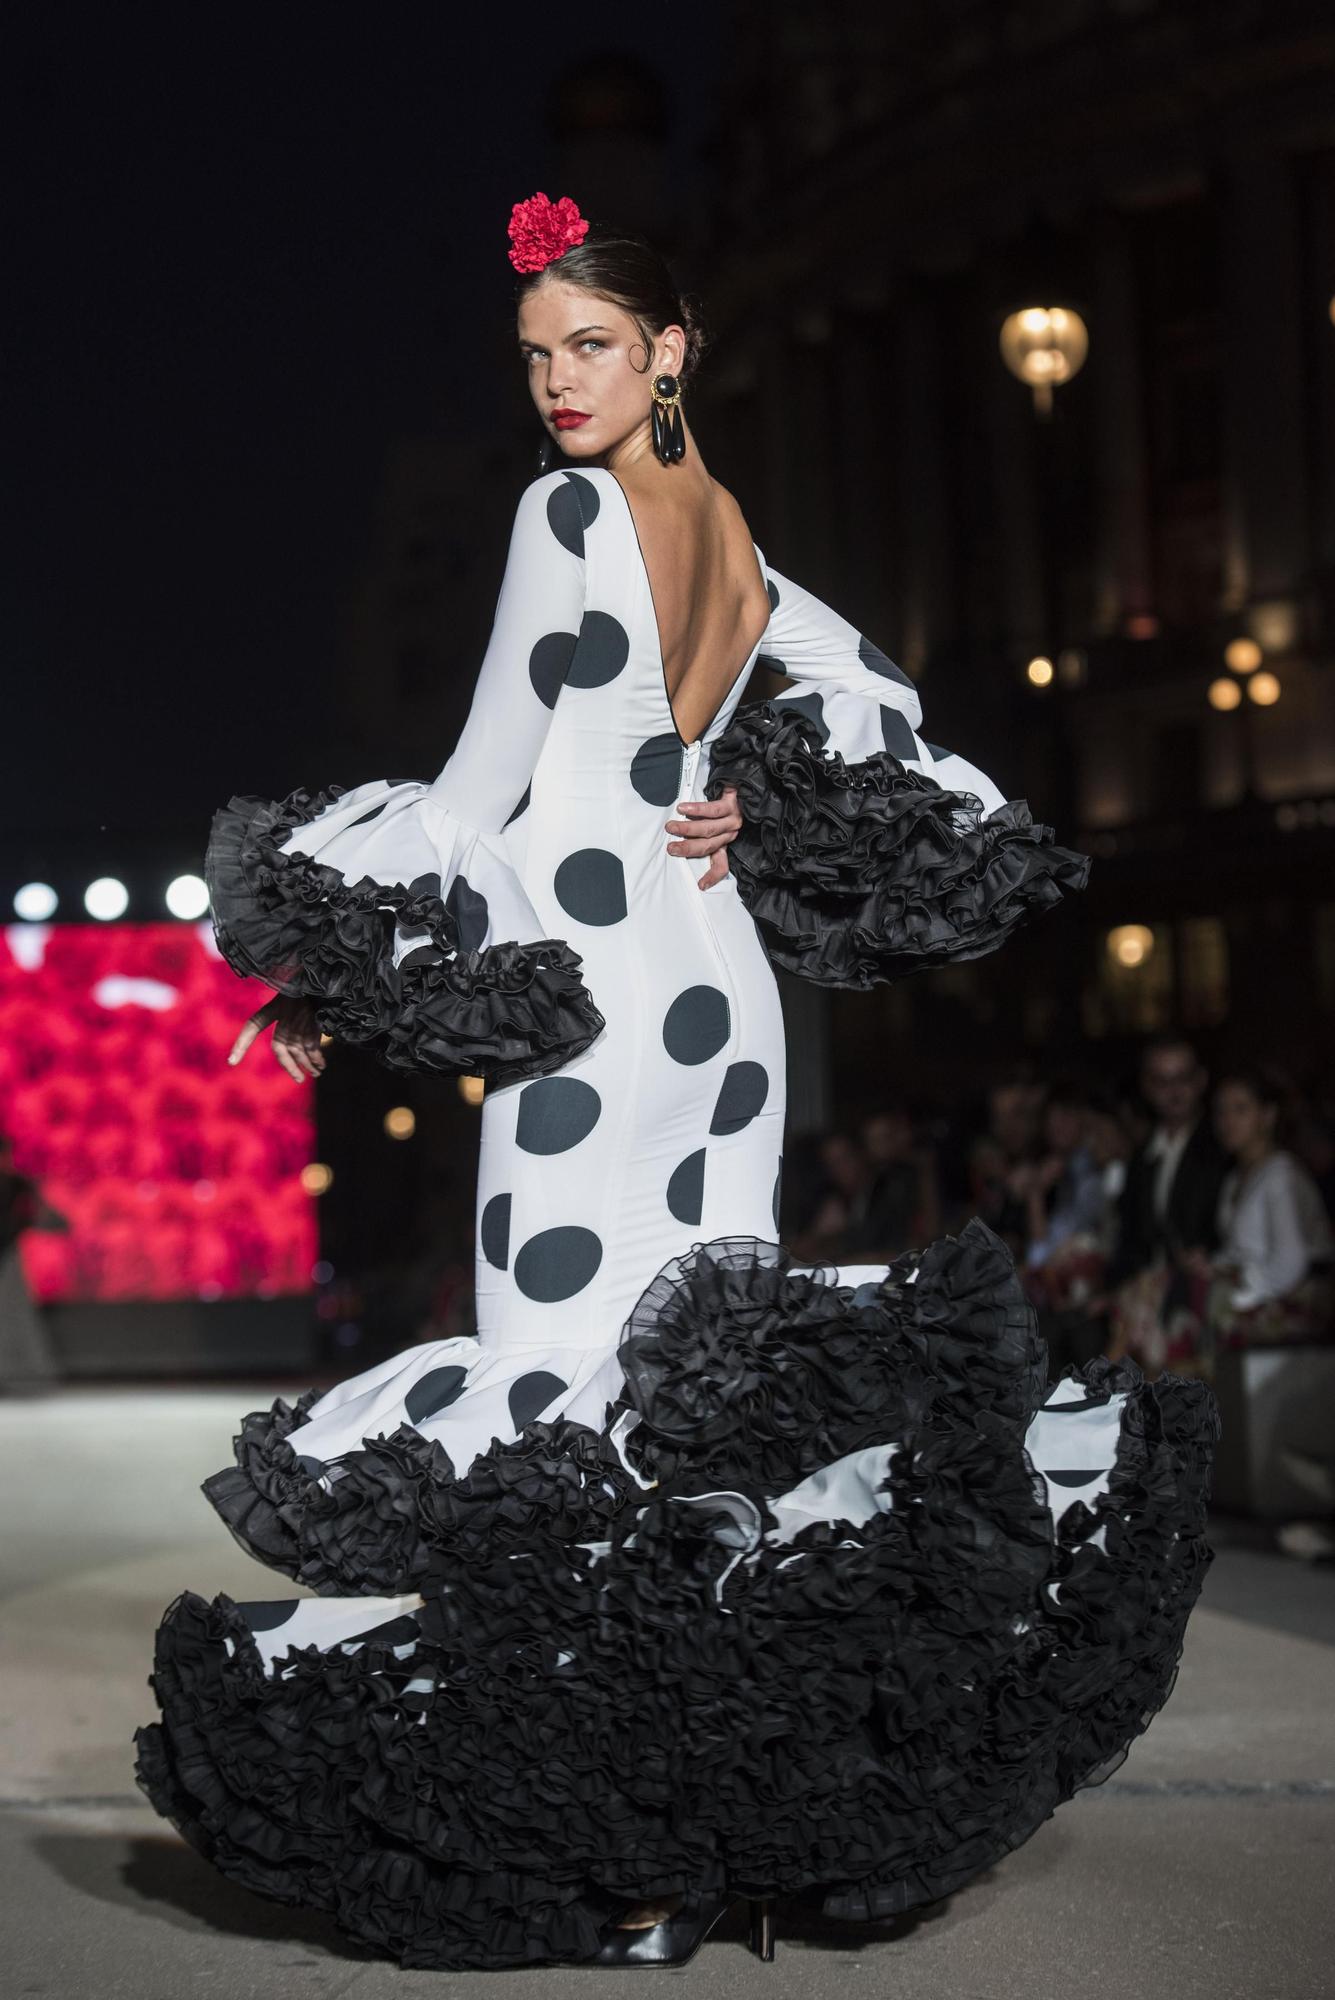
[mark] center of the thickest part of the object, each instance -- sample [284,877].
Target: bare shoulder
[729,509]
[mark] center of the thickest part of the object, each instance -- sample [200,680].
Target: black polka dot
[571,508]
[741,1095]
[555,1114]
[468,907]
[374,813]
[268,1617]
[522,806]
[548,664]
[1086,1476]
[421,954]
[590,886]
[531,1393]
[315,1466]
[896,734]
[935,750]
[433,1392]
[872,656]
[655,770]
[494,1230]
[773,589]
[697,1024]
[424,885]
[813,708]
[557,1263]
[686,1188]
[601,651]
[778,1186]
[772,661]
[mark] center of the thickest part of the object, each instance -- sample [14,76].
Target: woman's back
[708,592]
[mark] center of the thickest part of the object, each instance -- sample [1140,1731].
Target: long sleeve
[395,907]
[868,853]
[533,637]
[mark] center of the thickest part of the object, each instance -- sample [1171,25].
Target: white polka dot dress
[644,1588]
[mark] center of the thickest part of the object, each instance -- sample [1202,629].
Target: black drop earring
[669,436]
[546,453]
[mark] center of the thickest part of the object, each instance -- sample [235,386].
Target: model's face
[586,357]
[1174,1083]
[1241,1120]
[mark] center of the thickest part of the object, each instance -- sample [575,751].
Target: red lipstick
[569,420]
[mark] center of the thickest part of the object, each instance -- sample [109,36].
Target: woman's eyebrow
[576,335]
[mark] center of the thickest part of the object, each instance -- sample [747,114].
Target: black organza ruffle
[396,1515]
[507,1012]
[628,1694]
[868,871]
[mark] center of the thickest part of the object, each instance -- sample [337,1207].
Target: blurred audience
[1167,1213]
[1271,1277]
[27,1362]
[1160,1223]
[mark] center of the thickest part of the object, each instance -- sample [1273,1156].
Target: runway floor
[1202,1871]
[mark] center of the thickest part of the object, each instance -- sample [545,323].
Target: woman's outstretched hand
[296,1036]
[722,822]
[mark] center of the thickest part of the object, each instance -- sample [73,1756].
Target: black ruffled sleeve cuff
[861,872]
[504,1011]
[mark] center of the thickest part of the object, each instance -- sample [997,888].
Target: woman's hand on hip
[708,828]
[296,1036]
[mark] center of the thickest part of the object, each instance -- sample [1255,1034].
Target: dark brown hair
[628,272]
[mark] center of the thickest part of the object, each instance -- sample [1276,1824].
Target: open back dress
[696,1566]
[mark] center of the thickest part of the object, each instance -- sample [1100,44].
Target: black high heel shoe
[680,1936]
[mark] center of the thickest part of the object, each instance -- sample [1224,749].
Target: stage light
[1242,655]
[1142,625]
[1130,944]
[187,897]
[1264,689]
[1044,346]
[106,898]
[1224,693]
[472,1089]
[1039,671]
[317,1178]
[35,902]
[400,1123]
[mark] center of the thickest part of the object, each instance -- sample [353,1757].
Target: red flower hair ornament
[540,230]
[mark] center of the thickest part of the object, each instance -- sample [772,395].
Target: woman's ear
[671,350]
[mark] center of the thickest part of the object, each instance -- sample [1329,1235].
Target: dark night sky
[242,265]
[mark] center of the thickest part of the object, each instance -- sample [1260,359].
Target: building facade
[891,184]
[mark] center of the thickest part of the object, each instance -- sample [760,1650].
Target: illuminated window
[1202,964]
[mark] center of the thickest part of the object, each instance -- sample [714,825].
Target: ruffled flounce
[857,872]
[397,1515]
[876,1682]
[395,964]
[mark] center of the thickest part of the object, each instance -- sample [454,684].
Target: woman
[695,1574]
[1271,1278]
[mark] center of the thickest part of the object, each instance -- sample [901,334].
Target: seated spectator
[903,1208]
[839,1209]
[1168,1209]
[1271,1277]
[1110,1142]
[1011,1139]
[1067,1207]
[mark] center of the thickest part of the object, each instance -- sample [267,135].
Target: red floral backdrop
[179,1176]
